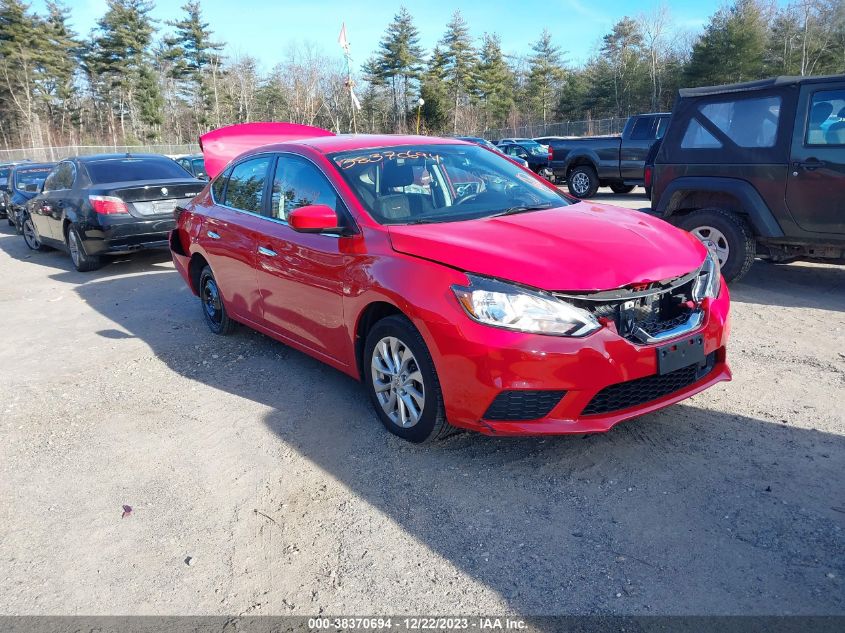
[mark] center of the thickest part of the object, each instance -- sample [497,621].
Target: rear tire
[30,236]
[583,182]
[213,310]
[81,260]
[727,235]
[398,369]
[620,188]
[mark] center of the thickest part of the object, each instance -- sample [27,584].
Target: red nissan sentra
[462,289]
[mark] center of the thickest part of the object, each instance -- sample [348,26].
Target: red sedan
[462,289]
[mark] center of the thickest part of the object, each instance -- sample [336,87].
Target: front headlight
[709,280]
[509,306]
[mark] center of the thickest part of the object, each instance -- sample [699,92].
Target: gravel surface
[149,467]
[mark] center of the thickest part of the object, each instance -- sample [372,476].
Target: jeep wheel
[727,236]
[618,187]
[583,182]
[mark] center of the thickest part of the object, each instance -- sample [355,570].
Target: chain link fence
[591,127]
[52,154]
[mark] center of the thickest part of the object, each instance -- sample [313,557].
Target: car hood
[583,247]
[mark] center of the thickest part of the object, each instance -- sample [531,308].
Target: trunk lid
[153,198]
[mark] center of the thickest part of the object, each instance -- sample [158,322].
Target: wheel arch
[195,268]
[736,196]
[371,314]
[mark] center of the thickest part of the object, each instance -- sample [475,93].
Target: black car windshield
[31,178]
[441,183]
[126,169]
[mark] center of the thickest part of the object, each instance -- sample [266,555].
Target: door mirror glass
[314,218]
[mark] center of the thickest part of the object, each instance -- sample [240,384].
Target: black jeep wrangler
[757,170]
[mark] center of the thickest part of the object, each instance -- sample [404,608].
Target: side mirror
[314,218]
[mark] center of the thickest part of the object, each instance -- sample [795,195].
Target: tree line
[133,80]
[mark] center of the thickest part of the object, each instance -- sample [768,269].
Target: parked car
[194,165]
[5,168]
[23,182]
[757,170]
[587,163]
[485,143]
[110,204]
[532,152]
[383,257]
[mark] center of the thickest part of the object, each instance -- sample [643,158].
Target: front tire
[213,310]
[620,188]
[727,236]
[81,260]
[402,382]
[583,182]
[30,236]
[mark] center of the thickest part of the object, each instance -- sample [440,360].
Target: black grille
[636,392]
[523,405]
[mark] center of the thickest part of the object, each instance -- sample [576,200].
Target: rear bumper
[125,235]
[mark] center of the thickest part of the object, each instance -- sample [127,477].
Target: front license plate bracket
[680,354]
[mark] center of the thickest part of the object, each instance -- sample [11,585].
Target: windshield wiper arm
[523,209]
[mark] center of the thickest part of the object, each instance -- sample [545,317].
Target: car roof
[762,84]
[349,142]
[97,157]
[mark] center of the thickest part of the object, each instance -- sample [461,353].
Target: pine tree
[435,93]
[495,82]
[59,64]
[114,61]
[190,51]
[398,63]
[732,46]
[21,55]
[622,48]
[459,63]
[545,72]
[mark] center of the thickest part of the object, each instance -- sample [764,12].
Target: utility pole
[353,100]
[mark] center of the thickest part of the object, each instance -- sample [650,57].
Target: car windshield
[126,169]
[534,147]
[441,183]
[198,165]
[31,178]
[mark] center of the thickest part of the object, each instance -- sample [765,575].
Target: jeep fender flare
[751,204]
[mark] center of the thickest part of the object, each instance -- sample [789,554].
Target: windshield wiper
[523,209]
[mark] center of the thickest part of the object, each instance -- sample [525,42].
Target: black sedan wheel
[81,260]
[213,310]
[30,236]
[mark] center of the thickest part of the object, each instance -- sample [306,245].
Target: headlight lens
[709,281]
[509,306]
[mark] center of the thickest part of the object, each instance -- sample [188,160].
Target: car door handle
[810,165]
[213,235]
[266,251]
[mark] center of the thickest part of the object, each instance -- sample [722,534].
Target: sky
[265,28]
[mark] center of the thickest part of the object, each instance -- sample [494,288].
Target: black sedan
[91,206]
[536,155]
[22,184]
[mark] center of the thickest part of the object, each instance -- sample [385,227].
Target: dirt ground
[260,481]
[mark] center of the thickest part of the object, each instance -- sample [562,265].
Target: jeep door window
[245,190]
[746,122]
[299,183]
[826,120]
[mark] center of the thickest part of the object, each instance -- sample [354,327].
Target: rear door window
[746,122]
[245,190]
[129,169]
[61,178]
[826,119]
[643,129]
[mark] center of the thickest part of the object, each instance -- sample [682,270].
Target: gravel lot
[261,483]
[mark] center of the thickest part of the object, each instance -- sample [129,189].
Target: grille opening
[633,393]
[654,308]
[521,404]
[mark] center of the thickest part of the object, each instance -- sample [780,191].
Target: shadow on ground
[688,510]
